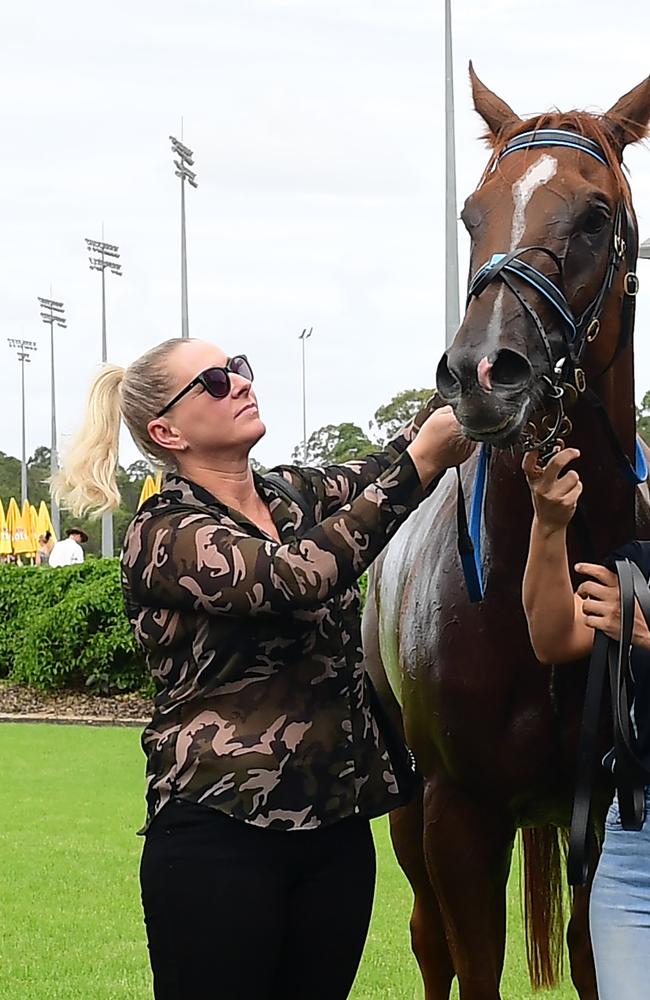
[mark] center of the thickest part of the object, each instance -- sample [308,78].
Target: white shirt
[66,553]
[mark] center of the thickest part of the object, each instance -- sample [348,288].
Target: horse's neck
[607,502]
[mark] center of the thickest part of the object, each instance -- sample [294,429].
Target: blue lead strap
[469,536]
[640,464]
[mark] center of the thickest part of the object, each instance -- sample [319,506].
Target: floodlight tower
[304,336]
[22,348]
[52,314]
[103,257]
[183,163]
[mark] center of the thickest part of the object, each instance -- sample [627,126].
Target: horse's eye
[594,221]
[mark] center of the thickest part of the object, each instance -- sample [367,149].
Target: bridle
[565,374]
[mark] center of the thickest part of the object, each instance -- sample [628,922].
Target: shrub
[67,628]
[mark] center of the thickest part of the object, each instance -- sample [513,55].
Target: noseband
[565,373]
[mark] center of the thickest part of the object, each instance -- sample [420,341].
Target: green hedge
[67,628]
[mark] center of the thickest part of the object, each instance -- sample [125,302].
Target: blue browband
[554,137]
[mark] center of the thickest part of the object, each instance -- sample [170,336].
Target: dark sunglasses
[216,381]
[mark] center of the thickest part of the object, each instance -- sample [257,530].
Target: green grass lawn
[70,920]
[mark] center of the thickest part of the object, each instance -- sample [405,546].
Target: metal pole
[183,163]
[107,519]
[54,460]
[104,341]
[304,336]
[184,317]
[304,404]
[108,256]
[452,304]
[23,464]
[53,314]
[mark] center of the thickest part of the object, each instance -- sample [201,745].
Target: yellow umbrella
[5,536]
[23,541]
[44,522]
[158,480]
[12,519]
[33,520]
[148,490]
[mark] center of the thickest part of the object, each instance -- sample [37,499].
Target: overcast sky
[318,134]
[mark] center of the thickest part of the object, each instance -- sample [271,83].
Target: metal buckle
[619,245]
[565,427]
[631,283]
[581,381]
[593,330]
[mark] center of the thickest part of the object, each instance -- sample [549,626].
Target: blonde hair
[86,483]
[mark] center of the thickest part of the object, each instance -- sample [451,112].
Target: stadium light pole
[102,257]
[452,304]
[22,348]
[52,314]
[303,338]
[183,163]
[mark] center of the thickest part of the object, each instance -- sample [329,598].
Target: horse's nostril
[510,370]
[447,383]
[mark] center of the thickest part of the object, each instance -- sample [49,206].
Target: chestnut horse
[495,732]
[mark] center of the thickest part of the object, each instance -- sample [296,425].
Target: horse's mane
[591,126]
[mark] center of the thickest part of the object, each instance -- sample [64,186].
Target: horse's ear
[496,114]
[627,121]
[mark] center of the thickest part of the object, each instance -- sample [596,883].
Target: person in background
[45,546]
[68,551]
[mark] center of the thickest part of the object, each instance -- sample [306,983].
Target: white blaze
[523,190]
[538,173]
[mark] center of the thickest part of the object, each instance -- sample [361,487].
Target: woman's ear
[166,435]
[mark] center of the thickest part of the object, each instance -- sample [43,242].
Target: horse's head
[553,238]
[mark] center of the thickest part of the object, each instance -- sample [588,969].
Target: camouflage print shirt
[255,648]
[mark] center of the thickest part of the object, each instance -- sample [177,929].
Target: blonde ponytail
[86,483]
[87,480]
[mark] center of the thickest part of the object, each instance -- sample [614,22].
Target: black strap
[578,858]
[630,773]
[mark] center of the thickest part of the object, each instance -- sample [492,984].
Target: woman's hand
[440,444]
[555,496]
[601,604]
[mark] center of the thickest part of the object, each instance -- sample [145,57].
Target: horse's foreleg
[468,847]
[428,938]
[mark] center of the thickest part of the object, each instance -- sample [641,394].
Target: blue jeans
[619,912]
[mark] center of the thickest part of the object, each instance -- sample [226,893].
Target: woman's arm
[332,486]
[556,624]
[194,561]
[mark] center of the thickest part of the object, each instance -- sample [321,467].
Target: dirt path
[24,704]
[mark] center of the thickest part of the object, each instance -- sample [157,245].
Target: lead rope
[469,535]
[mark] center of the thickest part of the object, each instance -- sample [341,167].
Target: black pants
[235,912]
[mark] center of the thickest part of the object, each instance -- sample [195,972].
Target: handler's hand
[601,604]
[555,496]
[440,444]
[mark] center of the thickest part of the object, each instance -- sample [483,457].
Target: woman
[264,761]
[562,626]
[45,546]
